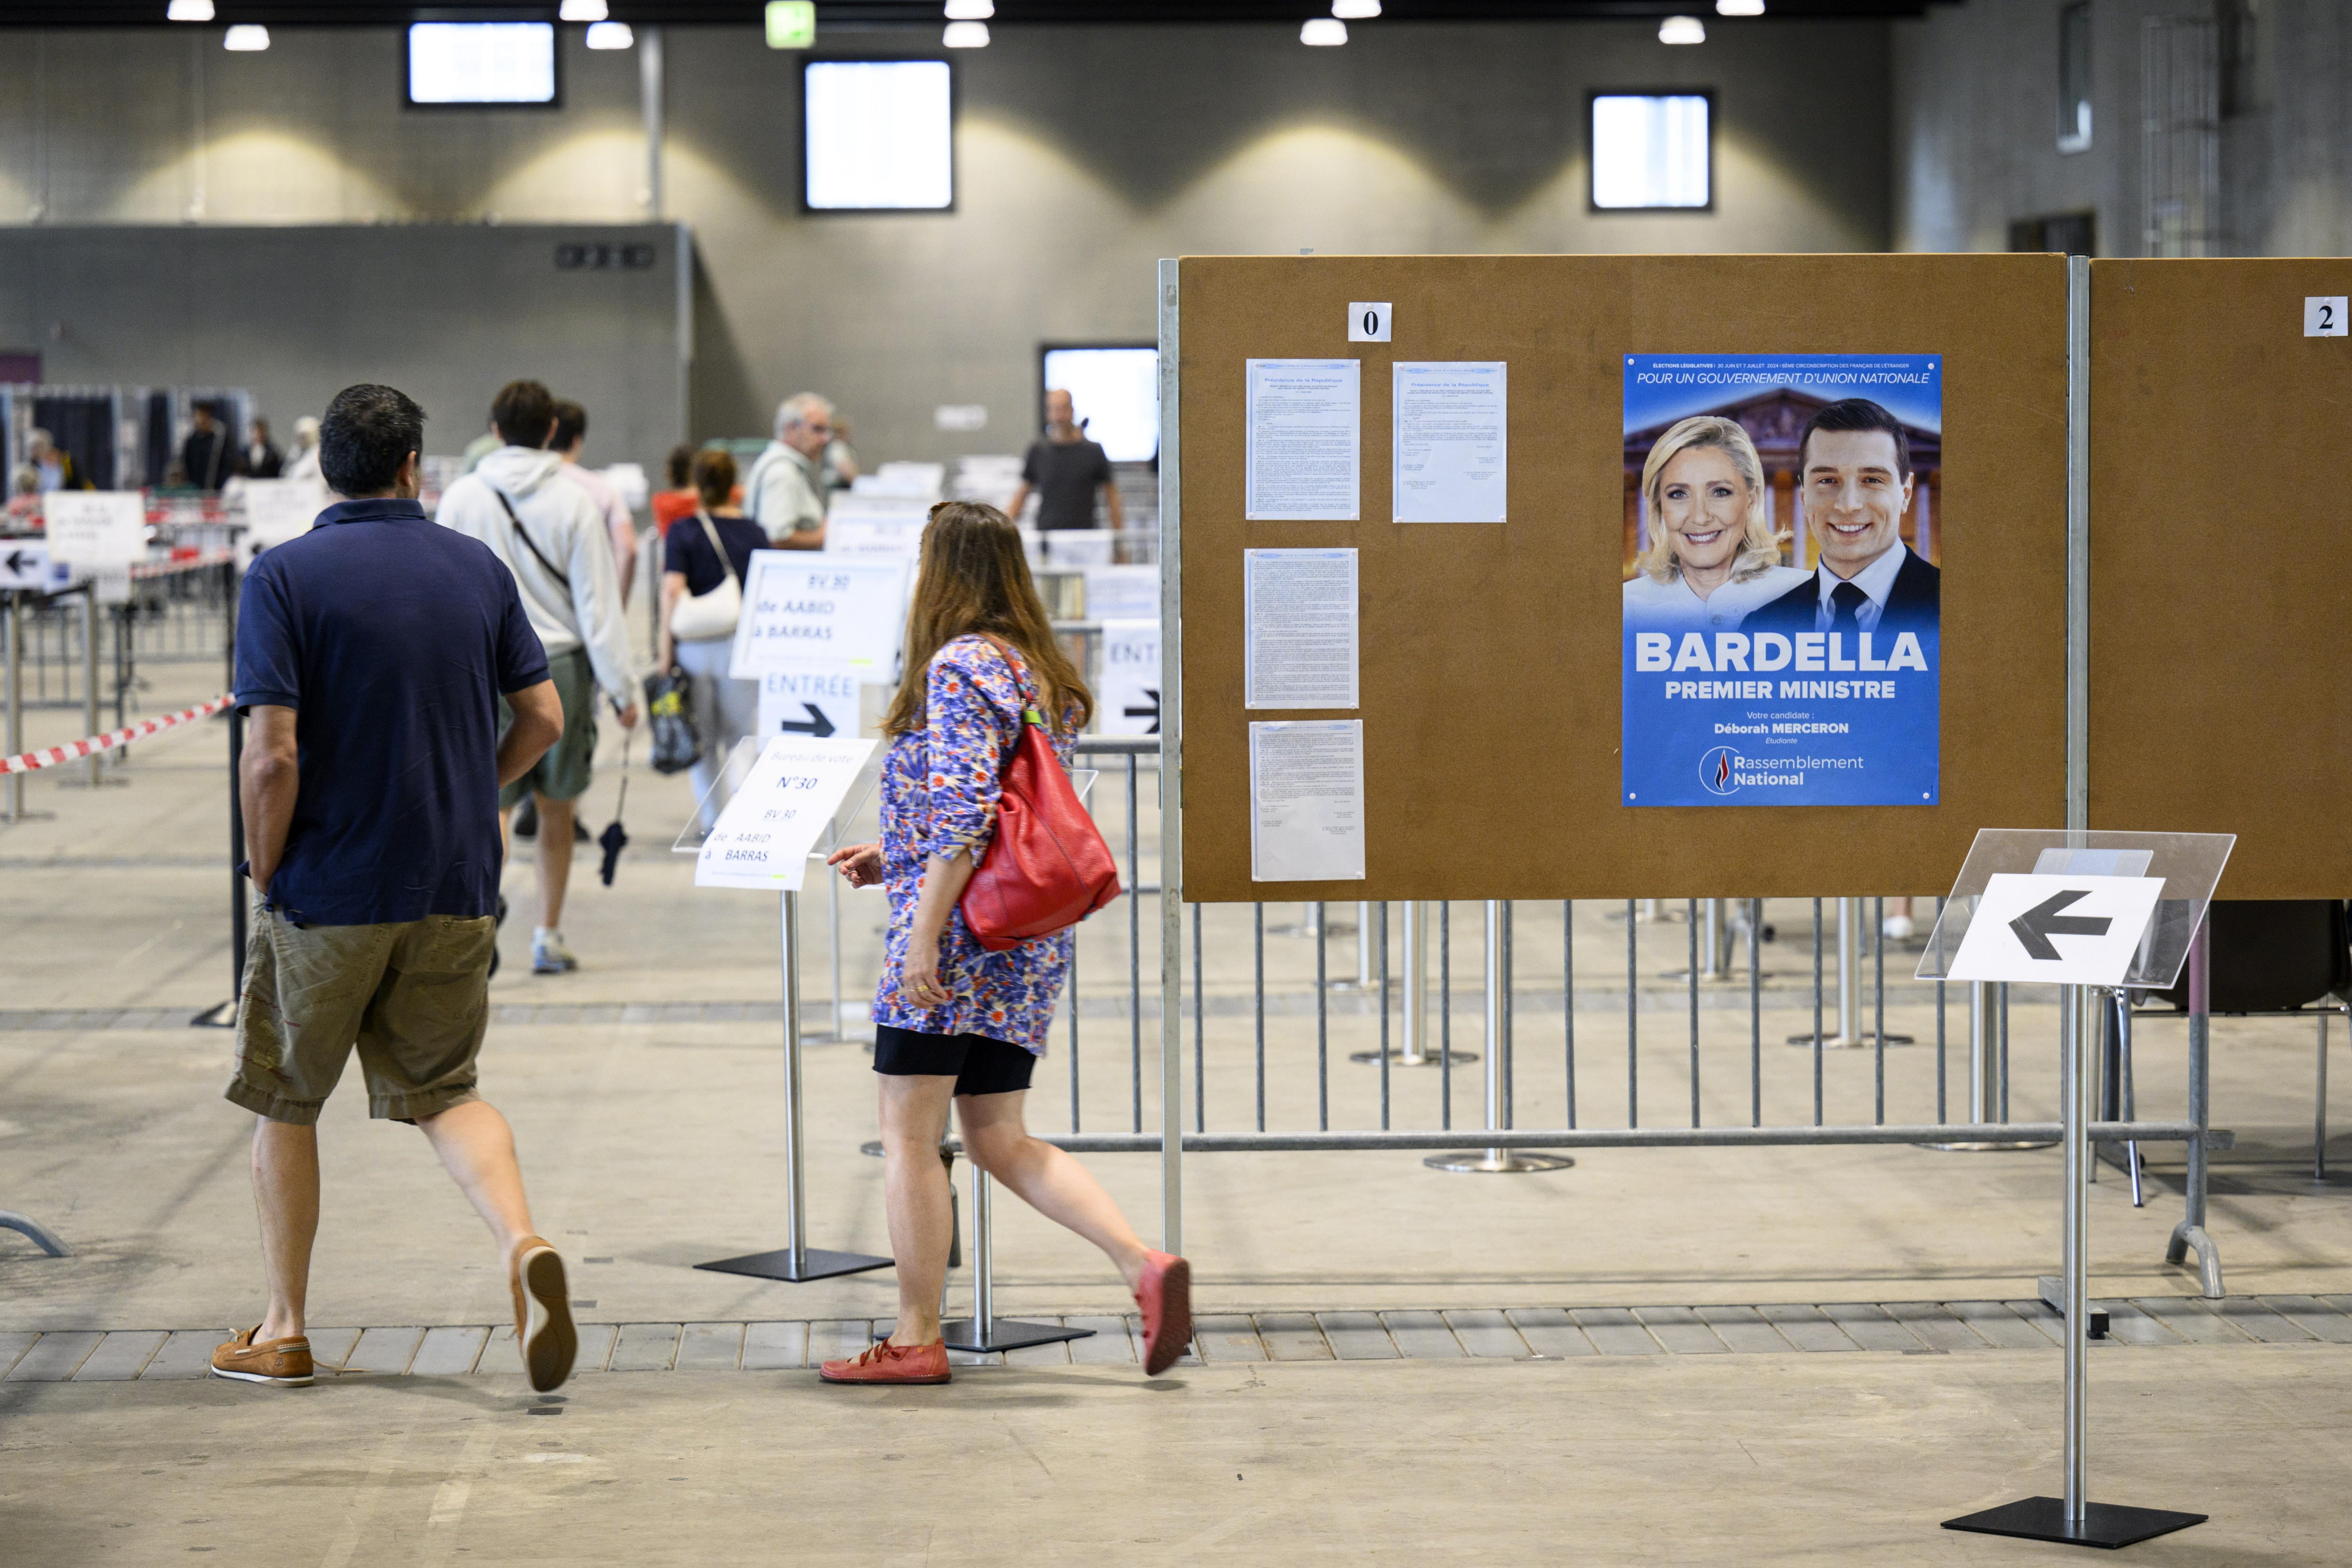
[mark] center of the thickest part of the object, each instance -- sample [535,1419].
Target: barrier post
[2190,1233]
[12,673]
[796,1261]
[984,1331]
[90,673]
[1497,1067]
[1984,1077]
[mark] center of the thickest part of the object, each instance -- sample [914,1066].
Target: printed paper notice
[1449,457]
[1301,609]
[804,610]
[1305,419]
[1306,801]
[762,838]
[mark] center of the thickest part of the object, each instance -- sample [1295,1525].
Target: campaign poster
[1783,578]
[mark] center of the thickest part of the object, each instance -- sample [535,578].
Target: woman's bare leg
[914,1189]
[1047,1179]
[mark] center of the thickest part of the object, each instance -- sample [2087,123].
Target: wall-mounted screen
[481,62]
[878,135]
[1115,390]
[1651,151]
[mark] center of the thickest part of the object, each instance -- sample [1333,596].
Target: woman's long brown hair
[973,577]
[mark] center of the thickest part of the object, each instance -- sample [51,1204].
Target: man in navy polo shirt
[371,654]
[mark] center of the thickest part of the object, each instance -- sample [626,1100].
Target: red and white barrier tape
[50,756]
[146,569]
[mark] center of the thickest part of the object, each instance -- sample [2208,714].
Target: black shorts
[978,1064]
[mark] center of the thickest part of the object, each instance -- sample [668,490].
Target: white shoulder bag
[702,617]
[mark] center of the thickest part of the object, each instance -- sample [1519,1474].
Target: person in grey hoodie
[551,536]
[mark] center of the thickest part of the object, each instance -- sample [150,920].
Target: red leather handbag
[1047,867]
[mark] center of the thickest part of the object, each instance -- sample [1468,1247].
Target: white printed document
[90,529]
[1449,459]
[804,610]
[1305,420]
[763,836]
[1122,592]
[1300,610]
[1306,801]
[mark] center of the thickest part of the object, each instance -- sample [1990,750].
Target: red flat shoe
[887,1363]
[1165,1294]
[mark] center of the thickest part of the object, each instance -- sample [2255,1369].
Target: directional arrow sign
[1149,712]
[24,566]
[2058,930]
[808,704]
[816,724]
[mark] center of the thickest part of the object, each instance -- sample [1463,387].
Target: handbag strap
[524,534]
[710,530]
[1028,701]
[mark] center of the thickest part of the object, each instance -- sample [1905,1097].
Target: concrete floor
[650,1134]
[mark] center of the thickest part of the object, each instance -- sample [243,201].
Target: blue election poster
[1782,579]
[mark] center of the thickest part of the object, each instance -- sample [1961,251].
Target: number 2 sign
[2324,316]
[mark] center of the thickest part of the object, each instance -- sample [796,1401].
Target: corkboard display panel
[1489,663]
[2221,602]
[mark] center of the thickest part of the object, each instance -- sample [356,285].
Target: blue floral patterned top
[939,790]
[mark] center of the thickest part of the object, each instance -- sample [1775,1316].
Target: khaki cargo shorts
[413,995]
[566,770]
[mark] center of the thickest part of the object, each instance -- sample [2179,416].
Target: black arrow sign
[17,562]
[2037,925]
[818,726]
[1151,712]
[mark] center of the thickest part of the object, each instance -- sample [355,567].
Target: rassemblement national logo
[1715,770]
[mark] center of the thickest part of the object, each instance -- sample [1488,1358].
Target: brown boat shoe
[543,1304]
[285,1362]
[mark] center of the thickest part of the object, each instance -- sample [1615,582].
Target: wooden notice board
[2220,600]
[1489,667]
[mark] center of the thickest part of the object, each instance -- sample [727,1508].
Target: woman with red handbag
[990,862]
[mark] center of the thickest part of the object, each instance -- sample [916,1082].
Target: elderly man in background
[785,492]
[570,438]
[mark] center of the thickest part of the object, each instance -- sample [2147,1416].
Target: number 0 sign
[1367,322]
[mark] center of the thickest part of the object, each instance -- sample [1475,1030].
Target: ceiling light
[1323,32]
[1355,10]
[1682,30]
[189,11]
[965,36]
[1740,8]
[247,37]
[610,36]
[971,10]
[582,11]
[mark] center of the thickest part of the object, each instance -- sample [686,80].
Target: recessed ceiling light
[1323,32]
[1740,8]
[582,11]
[1682,30]
[189,11]
[971,10]
[247,37]
[965,36]
[1355,10]
[610,36]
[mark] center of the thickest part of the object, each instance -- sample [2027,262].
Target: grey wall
[446,314]
[1084,154]
[1976,107]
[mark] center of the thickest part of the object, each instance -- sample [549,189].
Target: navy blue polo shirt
[392,638]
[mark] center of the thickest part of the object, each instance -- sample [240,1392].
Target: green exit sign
[791,24]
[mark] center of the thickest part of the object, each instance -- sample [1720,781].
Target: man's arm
[1019,500]
[268,777]
[1110,499]
[537,724]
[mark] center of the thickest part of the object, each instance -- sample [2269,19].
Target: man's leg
[916,1196]
[476,1147]
[554,860]
[285,1198]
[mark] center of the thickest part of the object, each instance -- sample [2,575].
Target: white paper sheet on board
[1300,610]
[1449,457]
[1305,419]
[92,530]
[1306,801]
[802,610]
[1122,592]
[1128,697]
[763,836]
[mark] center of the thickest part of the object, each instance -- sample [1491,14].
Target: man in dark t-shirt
[1066,471]
[371,654]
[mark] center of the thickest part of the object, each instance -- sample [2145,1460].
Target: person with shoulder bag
[966,994]
[705,560]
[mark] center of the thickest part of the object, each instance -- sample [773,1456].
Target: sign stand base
[816,1263]
[2105,1524]
[1004,1334]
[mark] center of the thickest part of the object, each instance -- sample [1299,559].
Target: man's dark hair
[714,476]
[570,424]
[1859,414]
[521,412]
[365,435]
